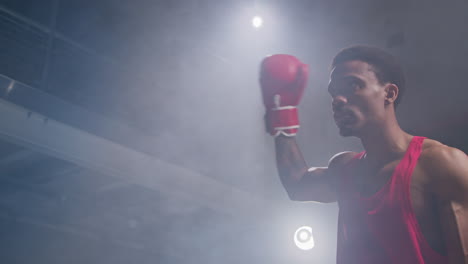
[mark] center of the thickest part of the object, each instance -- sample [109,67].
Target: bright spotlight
[303,238]
[257,22]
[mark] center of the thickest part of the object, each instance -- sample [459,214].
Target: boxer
[404,200]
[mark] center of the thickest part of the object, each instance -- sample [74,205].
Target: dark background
[177,81]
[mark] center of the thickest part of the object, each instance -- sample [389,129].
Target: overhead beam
[83,234]
[20,155]
[39,133]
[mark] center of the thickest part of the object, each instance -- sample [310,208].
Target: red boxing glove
[283,79]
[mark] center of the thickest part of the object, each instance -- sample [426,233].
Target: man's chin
[346,132]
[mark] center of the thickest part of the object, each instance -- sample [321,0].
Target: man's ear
[391,93]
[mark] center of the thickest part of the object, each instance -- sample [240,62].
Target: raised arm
[307,184]
[283,79]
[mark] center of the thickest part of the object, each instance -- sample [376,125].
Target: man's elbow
[309,197]
[294,196]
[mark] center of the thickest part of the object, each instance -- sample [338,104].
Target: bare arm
[449,175]
[302,183]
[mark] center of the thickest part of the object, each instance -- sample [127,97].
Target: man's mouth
[344,118]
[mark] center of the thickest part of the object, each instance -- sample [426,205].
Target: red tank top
[382,228]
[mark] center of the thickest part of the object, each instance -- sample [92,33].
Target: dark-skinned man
[404,200]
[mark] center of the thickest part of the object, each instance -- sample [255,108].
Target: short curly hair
[386,67]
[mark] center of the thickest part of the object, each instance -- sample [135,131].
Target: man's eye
[353,85]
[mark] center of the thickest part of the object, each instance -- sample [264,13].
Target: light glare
[257,22]
[303,238]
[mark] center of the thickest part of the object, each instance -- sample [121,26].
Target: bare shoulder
[445,166]
[435,154]
[337,161]
[341,159]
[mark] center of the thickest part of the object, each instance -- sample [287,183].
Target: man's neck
[385,143]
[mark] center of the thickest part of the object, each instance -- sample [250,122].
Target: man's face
[358,99]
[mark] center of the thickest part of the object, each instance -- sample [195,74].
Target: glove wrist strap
[283,120]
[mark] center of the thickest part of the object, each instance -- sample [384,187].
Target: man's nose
[338,102]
